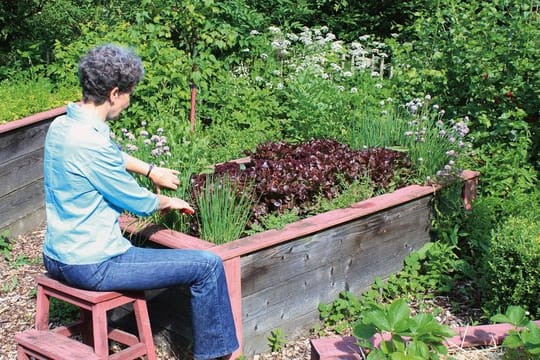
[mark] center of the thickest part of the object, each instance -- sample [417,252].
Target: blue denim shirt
[87,187]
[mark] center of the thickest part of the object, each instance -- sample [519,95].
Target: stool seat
[93,326]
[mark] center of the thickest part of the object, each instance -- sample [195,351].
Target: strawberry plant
[522,342]
[410,337]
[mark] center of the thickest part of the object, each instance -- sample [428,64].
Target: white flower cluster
[319,51]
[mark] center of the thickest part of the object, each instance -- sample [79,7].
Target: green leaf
[364,331]
[398,315]
[418,348]
[512,341]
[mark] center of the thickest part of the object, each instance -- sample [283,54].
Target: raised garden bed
[278,278]
[21,172]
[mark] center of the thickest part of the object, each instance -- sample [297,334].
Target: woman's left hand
[163,177]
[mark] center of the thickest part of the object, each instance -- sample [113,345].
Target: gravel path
[17,306]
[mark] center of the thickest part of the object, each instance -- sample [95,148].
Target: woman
[87,186]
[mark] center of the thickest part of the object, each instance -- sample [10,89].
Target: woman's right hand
[167,203]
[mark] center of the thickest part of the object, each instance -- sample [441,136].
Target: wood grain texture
[282,286]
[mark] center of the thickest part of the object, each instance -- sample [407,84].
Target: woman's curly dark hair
[108,66]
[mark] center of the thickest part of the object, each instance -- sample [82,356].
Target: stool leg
[86,327]
[42,309]
[21,354]
[143,325]
[100,331]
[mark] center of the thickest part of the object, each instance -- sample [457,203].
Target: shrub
[512,266]
[25,97]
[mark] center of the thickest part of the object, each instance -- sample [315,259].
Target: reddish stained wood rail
[345,348]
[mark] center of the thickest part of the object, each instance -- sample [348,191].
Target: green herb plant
[223,210]
[417,337]
[523,341]
[276,340]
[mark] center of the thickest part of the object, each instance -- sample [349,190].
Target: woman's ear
[113,95]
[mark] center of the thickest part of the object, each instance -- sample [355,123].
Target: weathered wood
[283,285]
[48,345]
[21,171]
[21,202]
[22,141]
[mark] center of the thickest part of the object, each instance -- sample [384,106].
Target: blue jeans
[214,334]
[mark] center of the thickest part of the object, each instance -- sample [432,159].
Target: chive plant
[223,210]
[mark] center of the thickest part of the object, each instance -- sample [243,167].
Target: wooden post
[193,104]
[233,274]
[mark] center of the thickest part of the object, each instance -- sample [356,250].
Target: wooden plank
[283,284]
[21,141]
[25,200]
[258,343]
[26,223]
[21,171]
[274,265]
[316,223]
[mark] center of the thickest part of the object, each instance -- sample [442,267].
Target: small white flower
[254,32]
[354,90]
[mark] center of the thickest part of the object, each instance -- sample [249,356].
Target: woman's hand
[167,204]
[163,177]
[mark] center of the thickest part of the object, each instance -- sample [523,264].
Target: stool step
[54,346]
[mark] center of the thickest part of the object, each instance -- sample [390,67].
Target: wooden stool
[93,323]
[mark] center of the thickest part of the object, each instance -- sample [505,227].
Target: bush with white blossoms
[318,51]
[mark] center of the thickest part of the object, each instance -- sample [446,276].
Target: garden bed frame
[278,278]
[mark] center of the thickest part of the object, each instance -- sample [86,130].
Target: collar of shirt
[75,111]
